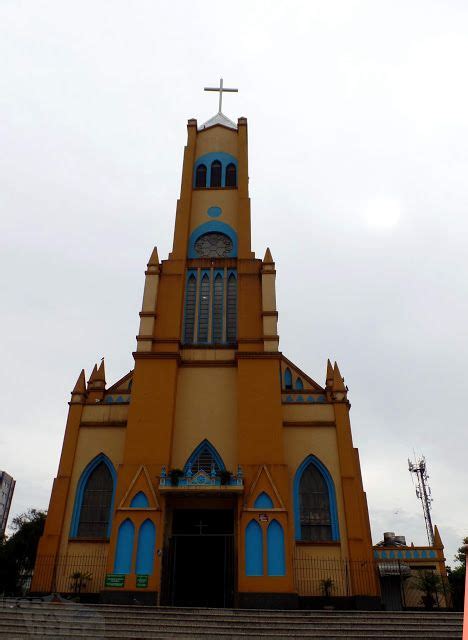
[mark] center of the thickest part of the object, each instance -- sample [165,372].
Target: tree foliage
[18,551]
[456,578]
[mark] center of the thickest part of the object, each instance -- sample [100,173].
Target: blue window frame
[276,565]
[288,379]
[124,547]
[315,507]
[139,501]
[203,457]
[263,501]
[145,550]
[94,500]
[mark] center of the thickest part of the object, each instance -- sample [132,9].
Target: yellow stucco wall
[227,199]
[216,139]
[206,407]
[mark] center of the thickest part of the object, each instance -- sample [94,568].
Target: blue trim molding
[208,159]
[311,459]
[213,226]
[205,444]
[81,489]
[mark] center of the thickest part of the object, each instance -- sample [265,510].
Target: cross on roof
[221,88]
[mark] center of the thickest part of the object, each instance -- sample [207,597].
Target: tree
[456,578]
[18,551]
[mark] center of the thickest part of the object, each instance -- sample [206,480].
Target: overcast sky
[358,131]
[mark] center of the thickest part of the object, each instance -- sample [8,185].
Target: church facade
[216,472]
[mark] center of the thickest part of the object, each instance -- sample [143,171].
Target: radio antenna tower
[423,492]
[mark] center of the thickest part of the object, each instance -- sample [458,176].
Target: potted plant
[79,580]
[175,475]
[225,476]
[430,584]
[326,586]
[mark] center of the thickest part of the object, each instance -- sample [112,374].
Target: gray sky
[358,130]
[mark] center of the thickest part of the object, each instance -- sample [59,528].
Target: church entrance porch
[199,559]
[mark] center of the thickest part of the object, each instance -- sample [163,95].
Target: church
[216,472]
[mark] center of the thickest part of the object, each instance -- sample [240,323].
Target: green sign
[141,582]
[115,580]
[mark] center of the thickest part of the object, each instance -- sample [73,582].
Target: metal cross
[200,526]
[221,88]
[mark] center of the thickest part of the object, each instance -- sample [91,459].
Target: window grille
[215,178]
[205,461]
[218,293]
[231,312]
[200,176]
[204,309]
[190,297]
[314,506]
[96,504]
[231,175]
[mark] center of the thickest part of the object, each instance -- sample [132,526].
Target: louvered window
[218,294]
[231,311]
[204,461]
[190,298]
[96,504]
[204,309]
[200,176]
[314,505]
[231,175]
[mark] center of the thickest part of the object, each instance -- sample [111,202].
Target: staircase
[22,620]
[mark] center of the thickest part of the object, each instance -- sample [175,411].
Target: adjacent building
[7,487]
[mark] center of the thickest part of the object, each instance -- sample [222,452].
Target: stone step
[14,632]
[84,616]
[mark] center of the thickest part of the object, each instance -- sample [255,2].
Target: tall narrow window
[124,548]
[231,312]
[200,176]
[218,294]
[215,177]
[96,504]
[314,506]
[145,548]
[190,297]
[275,550]
[231,175]
[204,309]
[288,379]
[253,549]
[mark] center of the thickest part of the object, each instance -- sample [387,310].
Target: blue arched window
[288,379]
[92,511]
[145,549]
[190,301]
[231,312]
[215,176]
[124,547]
[200,176]
[204,458]
[218,299]
[139,501]
[299,384]
[231,175]
[253,549]
[315,509]
[275,549]
[263,501]
[204,309]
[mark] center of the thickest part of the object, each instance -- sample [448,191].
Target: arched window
[218,295]
[190,297]
[288,379]
[299,384]
[215,176]
[231,315]
[124,547]
[93,503]
[263,501]
[200,176]
[145,549]
[139,501]
[315,503]
[231,175]
[204,458]
[253,549]
[275,549]
[204,309]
